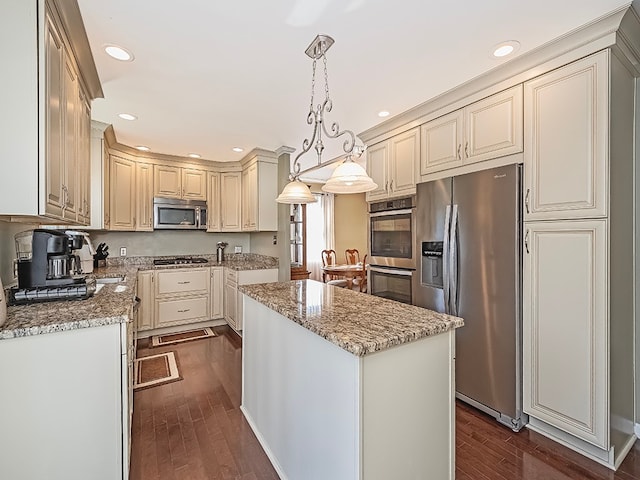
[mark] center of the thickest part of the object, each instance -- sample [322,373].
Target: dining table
[347,271]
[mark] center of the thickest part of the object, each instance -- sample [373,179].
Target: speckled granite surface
[358,323]
[113,303]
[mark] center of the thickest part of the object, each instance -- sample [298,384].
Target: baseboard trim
[264,444]
[180,328]
[636,430]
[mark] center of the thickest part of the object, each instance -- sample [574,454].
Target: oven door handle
[446,287]
[390,213]
[391,271]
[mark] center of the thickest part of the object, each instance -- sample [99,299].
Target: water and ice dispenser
[432,264]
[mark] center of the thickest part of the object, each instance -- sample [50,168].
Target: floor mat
[173,338]
[156,370]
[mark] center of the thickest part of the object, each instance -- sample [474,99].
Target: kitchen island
[342,385]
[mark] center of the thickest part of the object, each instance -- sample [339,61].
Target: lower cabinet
[75,420]
[565,320]
[233,299]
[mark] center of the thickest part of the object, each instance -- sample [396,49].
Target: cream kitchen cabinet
[565,317]
[233,301]
[217,293]
[213,203]
[566,141]
[43,105]
[84,159]
[181,296]
[259,191]
[122,194]
[230,201]
[144,197]
[146,294]
[177,182]
[392,165]
[486,129]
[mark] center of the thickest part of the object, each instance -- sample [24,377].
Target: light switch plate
[238,249]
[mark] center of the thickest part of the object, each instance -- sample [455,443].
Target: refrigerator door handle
[453,262]
[445,259]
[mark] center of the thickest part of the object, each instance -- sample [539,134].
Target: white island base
[323,413]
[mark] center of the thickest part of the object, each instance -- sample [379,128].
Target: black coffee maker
[50,262]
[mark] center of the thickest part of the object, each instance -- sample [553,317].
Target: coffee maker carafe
[47,261]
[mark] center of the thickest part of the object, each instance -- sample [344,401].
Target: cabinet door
[250,197]
[84,160]
[441,143]
[194,184]
[565,327]
[213,203]
[230,201]
[70,120]
[144,197]
[54,64]
[145,293]
[167,181]
[217,293]
[122,194]
[230,303]
[493,126]
[405,155]
[566,136]
[377,168]
[106,186]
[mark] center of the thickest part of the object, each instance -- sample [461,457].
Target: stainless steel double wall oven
[392,248]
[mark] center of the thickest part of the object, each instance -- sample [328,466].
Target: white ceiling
[210,75]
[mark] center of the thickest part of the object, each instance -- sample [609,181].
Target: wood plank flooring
[193,429]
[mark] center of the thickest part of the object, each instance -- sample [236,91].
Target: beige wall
[350,223]
[262,243]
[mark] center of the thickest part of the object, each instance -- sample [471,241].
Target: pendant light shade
[296,192]
[349,177]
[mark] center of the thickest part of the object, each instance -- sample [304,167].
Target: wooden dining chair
[328,258]
[352,255]
[361,280]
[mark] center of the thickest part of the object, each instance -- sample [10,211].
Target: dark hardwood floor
[193,429]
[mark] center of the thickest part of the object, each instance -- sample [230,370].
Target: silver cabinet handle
[466,149]
[183,283]
[184,311]
[459,147]
[526,242]
[386,186]
[391,185]
[526,200]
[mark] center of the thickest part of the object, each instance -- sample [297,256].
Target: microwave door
[171,217]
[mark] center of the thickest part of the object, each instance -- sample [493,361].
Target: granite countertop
[356,322]
[113,303]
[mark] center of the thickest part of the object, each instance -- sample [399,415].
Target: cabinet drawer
[180,311]
[192,281]
[230,276]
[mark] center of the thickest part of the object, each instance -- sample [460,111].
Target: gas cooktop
[179,260]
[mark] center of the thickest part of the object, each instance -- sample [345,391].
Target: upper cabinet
[259,192]
[566,141]
[213,203]
[46,106]
[230,201]
[177,182]
[392,165]
[489,128]
[122,194]
[144,197]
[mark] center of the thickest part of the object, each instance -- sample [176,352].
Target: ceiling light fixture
[237,149]
[127,116]
[194,155]
[296,191]
[143,148]
[118,53]
[505,48]
[383,114]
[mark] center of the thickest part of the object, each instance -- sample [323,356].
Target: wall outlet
[275,239]
[238,249]
[123,251]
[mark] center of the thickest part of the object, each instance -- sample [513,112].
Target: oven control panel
[397,204]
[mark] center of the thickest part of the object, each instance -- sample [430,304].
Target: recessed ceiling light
[505,48]
[143,148]
[194,155]
[118,53]
[238,149]
[127,116]
[383,113]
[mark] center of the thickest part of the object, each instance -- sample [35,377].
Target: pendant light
[350,179]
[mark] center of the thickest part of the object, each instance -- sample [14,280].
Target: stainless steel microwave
[178,214]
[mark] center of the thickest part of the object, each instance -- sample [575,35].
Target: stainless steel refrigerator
[469,229]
